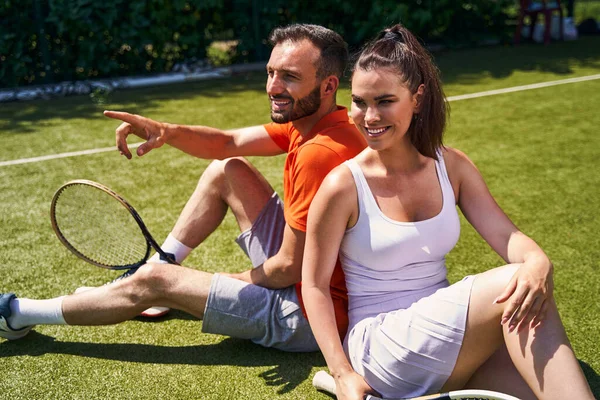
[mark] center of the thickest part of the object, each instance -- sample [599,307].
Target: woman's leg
[496,372]
[542,356]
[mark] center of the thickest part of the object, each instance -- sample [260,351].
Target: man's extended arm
[199,141]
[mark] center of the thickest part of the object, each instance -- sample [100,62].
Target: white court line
[63,155]
[451,98]
[524,87]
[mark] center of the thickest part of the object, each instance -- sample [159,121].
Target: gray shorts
[271,318]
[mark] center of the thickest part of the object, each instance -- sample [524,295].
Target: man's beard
[300,108]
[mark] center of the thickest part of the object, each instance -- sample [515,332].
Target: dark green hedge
[45,41]
[442,22]
[50,41]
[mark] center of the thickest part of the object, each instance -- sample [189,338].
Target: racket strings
[99,227]
[105,242]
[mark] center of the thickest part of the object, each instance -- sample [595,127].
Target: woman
[391,215]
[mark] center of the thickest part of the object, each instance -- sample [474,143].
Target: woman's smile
[375,132]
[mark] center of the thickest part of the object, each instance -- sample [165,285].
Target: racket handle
[325,382]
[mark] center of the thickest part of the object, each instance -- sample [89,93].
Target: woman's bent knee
[487,286]
[495,280]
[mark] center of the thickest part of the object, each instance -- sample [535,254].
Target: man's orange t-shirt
[333,140]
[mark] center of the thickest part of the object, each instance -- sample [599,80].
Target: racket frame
[151,243]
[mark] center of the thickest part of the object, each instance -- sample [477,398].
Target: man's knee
[220,171]
[237,169]
[226,166]
[149,283]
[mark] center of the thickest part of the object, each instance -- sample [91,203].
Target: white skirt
[411,352]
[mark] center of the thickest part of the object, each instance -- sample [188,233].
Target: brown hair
[400,50]
[334,51]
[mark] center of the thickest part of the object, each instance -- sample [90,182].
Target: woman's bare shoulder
[457,162]
[338,182]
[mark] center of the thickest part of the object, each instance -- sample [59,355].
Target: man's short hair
[334,51]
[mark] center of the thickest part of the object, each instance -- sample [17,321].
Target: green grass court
[538,151]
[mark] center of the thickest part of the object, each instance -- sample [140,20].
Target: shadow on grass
[291,368]
[458,66]
[592,377]
[290,371]
[468,66]
[16,117]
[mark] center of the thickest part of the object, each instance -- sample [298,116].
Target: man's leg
[172,286]
[165,285]
[232,183]
[225,184]
[271,318]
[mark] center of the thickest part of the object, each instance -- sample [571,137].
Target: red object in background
[533,9]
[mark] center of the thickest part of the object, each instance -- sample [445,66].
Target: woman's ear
[418,98]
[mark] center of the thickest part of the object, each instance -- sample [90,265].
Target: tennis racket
[325,382]
[101,227]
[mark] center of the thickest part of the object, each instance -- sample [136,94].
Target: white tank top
[390,264]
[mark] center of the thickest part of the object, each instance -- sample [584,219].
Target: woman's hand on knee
[527,295]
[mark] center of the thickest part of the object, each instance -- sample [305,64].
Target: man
[263,303]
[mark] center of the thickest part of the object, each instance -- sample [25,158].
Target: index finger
[133,119]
